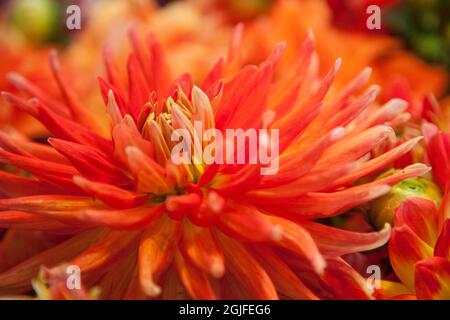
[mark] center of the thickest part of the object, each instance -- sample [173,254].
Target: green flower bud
[37,20]
[382,209]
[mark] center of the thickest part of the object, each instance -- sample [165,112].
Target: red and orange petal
[438,152]
[442,248]
[421,216]
[405,250]
[390,290]
[433,279]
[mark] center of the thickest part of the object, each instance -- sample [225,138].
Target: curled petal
[320,204]
[373,165]
[353,147]
[337,242]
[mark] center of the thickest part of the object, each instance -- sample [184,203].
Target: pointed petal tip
[282,45]
[14,76]
[396,106]
[412,142]
[16,79]
[429,130]
[132,151]
[152,290]
[367,72]
[374,90]
[337,133]
[8,97]
[111,95]
[338,64]
[217,269]
[311,35]
[239,27]
[53,59]
[320,265]
[420,168]
[129,120]
[386,231]
[277,233]
[79,180]
[379,191]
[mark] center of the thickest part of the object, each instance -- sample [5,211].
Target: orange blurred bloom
[26,59]
[419,248]
[419,251]
[290,20]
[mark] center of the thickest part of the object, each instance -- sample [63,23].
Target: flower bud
[382,209]
[37,20]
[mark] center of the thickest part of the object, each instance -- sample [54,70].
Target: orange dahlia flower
[419,248]
[138,225]
[419,251]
